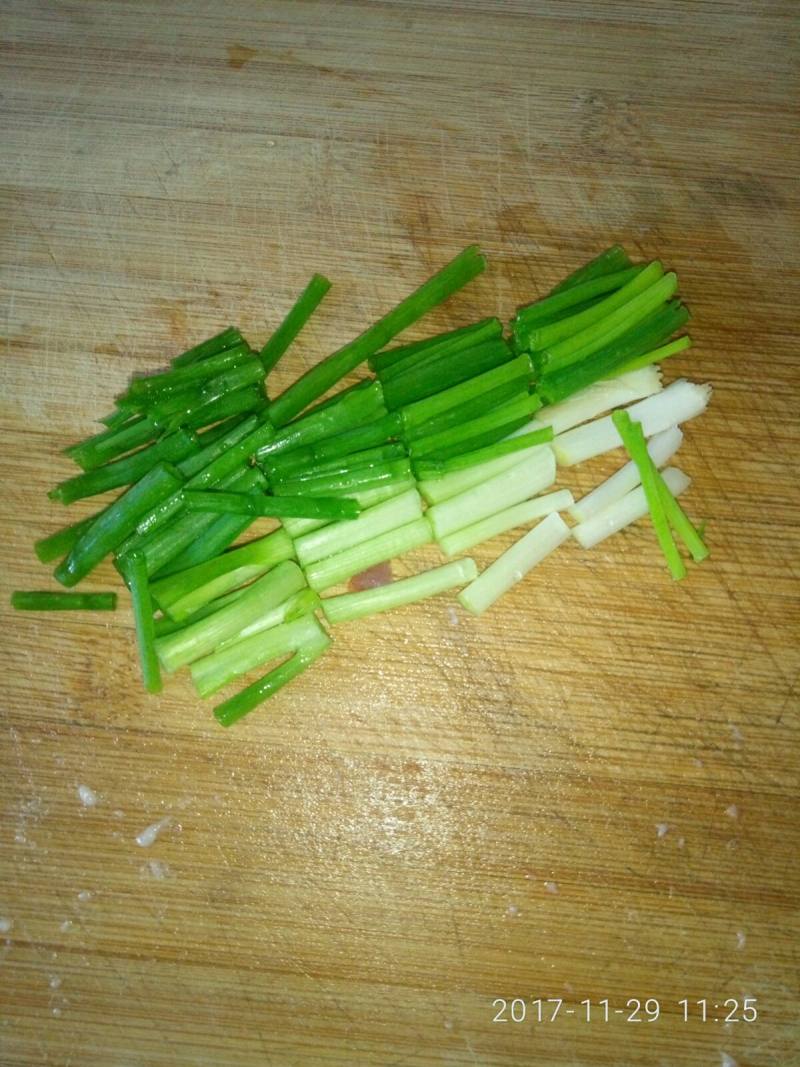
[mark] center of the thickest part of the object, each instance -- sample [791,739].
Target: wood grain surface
[589,793]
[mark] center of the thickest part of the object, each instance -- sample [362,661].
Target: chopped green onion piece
[512,566]
[316,381]
[612,259]
[228,338]
[594,337]
[431,467]
[565,302]
[201,638]
[302,507]
[183,593]
[345,480]
[56,545]
[526,478]
[231,459]
[134,570]
[189,374]
[217,669]
[365,498]
[508,519]
[165,625]
[634,441]
[47,601]
[440,374]
[398,360]
[172,449]
[548,335]
[656,355]
[397,594]
[477,406]
[230,711]
[616,356]
[350,408]
[114,524]
[662,446]
[623,512]
[380,519]
[94,451]
[343,565]
[118,417]
[298,604]
[302,310]
[458,437]
[240,402]
[417,414]
[679,521]
[370,457]
[193,464]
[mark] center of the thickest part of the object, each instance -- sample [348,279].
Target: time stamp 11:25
[633,1010]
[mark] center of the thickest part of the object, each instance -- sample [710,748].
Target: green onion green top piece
[319,379]
[47,601]
[304,307]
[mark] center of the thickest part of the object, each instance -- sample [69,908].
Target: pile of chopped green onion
[454,439]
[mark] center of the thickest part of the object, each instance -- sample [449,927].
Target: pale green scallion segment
[397,594]
[135,573]
[220,667]
[298,604]
[380,519]
[431,467]
[343,565]
[258,504]
[185,592]
[316,381]
[636,445]
[656,355]
[302,310]
[230,711]
[365,498]
[679,521]
[508,519]
[561,303]
[200,639]
[459,436]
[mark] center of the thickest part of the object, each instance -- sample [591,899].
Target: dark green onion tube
[228,338]
[299,507]
[476,406]
[117,522]
[191,374]
[57,544]
[319,379]
[555,307]
[345,480]
[239,402]
[125,471]
[441,374]
[609,261]
[347,444]
[454,437]
[94,451]
[46,601]
[192,465]
[230,711]
[134,570]
[400,360]
[304,307]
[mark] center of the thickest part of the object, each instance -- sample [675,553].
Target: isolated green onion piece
[47,601]
[679,520]
[56,545]
[302,310]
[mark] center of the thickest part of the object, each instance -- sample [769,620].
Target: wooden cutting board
[589,794]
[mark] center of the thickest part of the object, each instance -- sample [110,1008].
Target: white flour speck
[512,911]
[452,615]
[57,1012]
[551,887]
[84,895]
[448,1024]
[681,842]
[88,797]
[66,926]
[156,869]
[662,828]
[727,1061]
[55,982]
[5,925]
[736,733]
[741,939]
[147,836]
[732,811]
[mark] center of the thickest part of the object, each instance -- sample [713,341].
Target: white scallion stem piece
[338,536]
[334,569]
[514,564]
[599,397]
[212,672]
[623,512]
[677,403]
[511,486]
[507,519]
[398,594]
[662,448]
